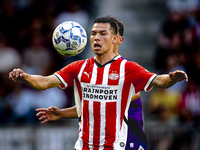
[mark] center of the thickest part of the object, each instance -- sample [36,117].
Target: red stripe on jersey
[97,120]
[95,148]
[111,110]
[100,75]
[85,146]
[125,94]
[87,72]
[114,73]
[85,120]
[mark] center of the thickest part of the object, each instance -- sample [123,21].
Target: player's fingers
[40,114]
[41,109]
[183,75]
[13,73]
[44,121]
[43,117]
[17,72]
[11,76]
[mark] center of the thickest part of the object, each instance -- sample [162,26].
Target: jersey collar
[101,66]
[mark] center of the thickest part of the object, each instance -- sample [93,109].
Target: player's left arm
[168,80]
[53,113]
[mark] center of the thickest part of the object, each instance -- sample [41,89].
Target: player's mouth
[97,46]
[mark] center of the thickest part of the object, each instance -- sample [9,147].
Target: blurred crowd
[178,48]
[25,42]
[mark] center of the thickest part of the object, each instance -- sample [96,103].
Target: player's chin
[96,51]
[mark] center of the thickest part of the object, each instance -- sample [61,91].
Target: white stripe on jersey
[81,70]
[103,107]
[121,80]
[148,83]
[103,123]
[105,74]
[122,71]
[94,75]
[77,99]
[91,117]
[118,56]
[124,129]
[61,79]
[91,122]
[79,141]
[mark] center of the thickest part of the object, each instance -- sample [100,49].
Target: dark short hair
[120,25]
[108,19]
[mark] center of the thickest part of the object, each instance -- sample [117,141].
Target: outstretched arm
[168,80]
[54,113]
[34,81]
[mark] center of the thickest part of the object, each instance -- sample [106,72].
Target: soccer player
[104,87]
[136,137]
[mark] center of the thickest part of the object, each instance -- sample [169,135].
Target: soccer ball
[69,38]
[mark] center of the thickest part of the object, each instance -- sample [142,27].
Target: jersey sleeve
[67,75]
[142,78]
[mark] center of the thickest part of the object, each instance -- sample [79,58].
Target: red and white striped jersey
[102,95]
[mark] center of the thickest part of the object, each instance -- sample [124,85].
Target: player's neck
[102,59]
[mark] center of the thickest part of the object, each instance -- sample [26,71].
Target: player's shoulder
[130,65]
[122,57]
[127,61]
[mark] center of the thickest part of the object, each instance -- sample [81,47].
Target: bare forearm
[40,82]
[34,81]
[163,81]
[69,112]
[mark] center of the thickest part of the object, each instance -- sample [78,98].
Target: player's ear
[121,39]
[115,38]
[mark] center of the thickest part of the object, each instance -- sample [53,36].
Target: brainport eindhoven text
[99,93]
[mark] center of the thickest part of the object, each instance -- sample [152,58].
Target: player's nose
[97,37]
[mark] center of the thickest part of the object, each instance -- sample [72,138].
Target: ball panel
[69,38]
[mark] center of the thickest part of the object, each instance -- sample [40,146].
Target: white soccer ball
[69,38]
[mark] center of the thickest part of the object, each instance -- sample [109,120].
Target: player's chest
[107,75]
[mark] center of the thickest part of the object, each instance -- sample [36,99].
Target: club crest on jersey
[113,76]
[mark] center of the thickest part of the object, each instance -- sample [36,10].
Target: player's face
[102,39]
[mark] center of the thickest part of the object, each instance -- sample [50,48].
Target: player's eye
[93,33]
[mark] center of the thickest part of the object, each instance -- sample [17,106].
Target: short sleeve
[141,78]
[67,75]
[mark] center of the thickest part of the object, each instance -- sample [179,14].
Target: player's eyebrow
[99,31]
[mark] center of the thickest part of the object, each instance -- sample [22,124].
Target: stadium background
[161,35]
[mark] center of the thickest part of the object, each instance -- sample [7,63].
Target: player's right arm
[54,113]
[34,81]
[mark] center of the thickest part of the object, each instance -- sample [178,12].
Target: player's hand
[48,114]
[178,76]
[16,74]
